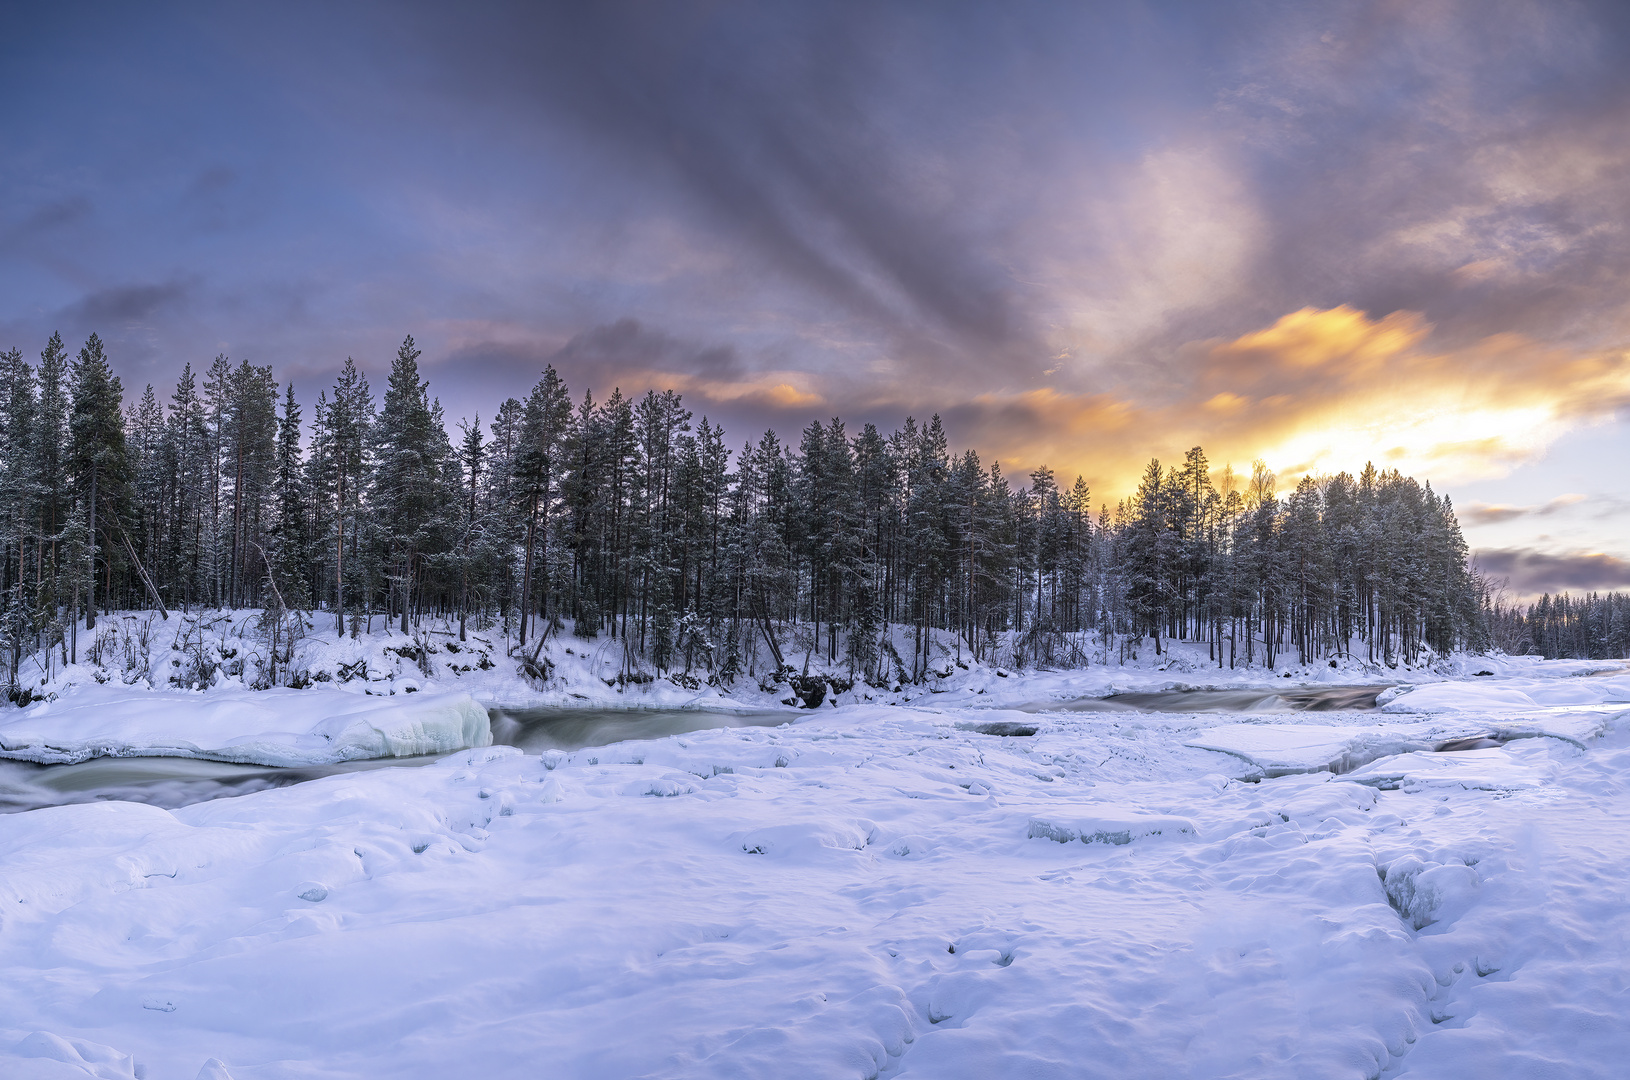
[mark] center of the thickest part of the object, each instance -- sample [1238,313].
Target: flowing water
[1252,700]
[171,782]
[1320,699]
[537,730]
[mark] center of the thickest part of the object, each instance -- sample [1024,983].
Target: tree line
[861,552]
[1595,626]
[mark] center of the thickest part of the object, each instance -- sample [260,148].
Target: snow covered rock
[1427,892]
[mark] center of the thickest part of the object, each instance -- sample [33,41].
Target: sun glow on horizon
[1320,392]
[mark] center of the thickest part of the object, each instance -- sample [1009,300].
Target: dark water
[537,730]
[159,781]
[172,782]
[1254,700]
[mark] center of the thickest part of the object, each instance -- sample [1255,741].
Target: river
[170,782]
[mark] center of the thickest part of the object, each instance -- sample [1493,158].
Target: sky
[1085,235]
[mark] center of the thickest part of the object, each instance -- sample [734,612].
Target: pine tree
[290,532]
[190,455]
[545,428]
[408,473]
[621,517]
[50,470]
[96,452]
[349,419]
[19,487]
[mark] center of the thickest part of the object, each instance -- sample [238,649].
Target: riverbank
[193,686]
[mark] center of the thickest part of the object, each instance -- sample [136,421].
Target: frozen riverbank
[214,653]
[279,726]
[870,891]
[183,687]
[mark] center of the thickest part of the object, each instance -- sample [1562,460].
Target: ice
[1424,893]
[1286,749]
[280,727]
[1491,769]
[1107,825]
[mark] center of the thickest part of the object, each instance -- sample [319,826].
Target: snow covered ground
[949,888]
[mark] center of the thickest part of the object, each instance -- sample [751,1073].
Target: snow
[280,726]
[1513,695]
[951,887]
[225,652]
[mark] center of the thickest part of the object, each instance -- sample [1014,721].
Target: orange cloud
[772,390]
[1317,391]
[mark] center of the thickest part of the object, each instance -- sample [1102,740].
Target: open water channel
[170,782]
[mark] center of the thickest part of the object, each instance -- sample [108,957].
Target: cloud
[775,126]
[1530,573]
[1322,234]
[1331,389]
[1479,513]
[124,305]
[1133,249]
[631,356]
[627,345]
[213,180]
[634,357]
[54,214]
[1316,391]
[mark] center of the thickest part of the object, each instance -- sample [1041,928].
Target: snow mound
[46,1055]
[279,727]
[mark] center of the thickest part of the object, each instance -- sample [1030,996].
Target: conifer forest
[629,518]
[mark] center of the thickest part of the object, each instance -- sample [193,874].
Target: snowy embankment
[894,892]
[185,686]
[280,726]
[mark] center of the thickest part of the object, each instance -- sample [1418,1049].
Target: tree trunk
[90,606]
[339,558]
[526,574]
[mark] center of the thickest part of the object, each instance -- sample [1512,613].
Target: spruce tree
[96,452]
[408,472]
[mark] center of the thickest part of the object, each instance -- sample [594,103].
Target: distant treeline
[1591,627]
[627,520]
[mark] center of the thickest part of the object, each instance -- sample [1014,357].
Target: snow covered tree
[96,453]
